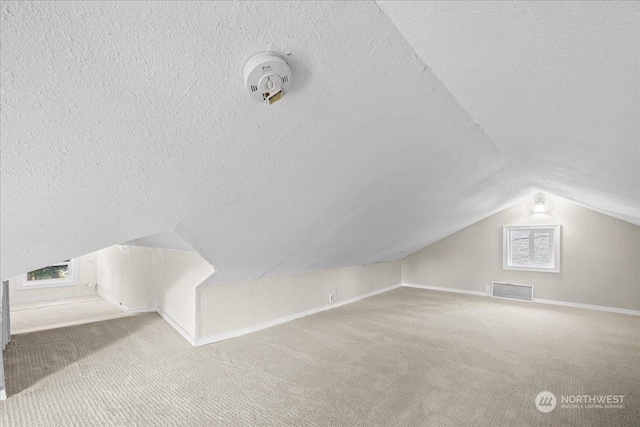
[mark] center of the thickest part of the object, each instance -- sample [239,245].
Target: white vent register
[512,291]
[267,77]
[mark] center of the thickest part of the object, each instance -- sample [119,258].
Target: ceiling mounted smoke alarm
[267,77]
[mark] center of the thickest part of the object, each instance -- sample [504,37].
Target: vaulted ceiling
[553,84]
[406,122]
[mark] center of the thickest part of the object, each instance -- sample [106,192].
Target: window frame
[554,264]
[72,280]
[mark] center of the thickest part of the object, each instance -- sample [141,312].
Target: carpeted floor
[408,357]
[57,313]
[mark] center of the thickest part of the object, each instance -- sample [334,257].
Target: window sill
[531,268]
[47,284]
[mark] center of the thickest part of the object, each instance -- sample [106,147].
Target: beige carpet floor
[408,357]
[57,313]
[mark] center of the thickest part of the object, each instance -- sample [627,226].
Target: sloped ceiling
[553,84]
[123,119]
[164,239]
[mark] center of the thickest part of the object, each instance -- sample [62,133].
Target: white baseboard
[538,300]
[588,306]
[439,288]
[3,394]
[158,310]
[264,325]
[177,327]
[52,297]
[127,309]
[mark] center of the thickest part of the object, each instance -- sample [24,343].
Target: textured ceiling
[123,119]
[553,84]
[164,239]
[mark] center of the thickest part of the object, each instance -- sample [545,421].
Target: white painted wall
[124,275]
[600,257]
[223,308]
[87,274]
[144,278]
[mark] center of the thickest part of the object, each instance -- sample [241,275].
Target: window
[531,248]
[61,274]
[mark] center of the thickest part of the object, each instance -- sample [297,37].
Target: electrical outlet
[488,289]
[331,299]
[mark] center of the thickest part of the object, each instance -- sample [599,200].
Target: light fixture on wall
[539,201]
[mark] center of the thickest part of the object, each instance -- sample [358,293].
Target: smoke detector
[267,77]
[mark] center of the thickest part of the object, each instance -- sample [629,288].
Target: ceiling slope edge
[597,198]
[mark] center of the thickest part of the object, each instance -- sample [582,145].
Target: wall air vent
[512,291]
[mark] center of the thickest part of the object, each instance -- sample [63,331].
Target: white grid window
[531,248]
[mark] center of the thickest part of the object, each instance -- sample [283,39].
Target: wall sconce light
[539,201]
